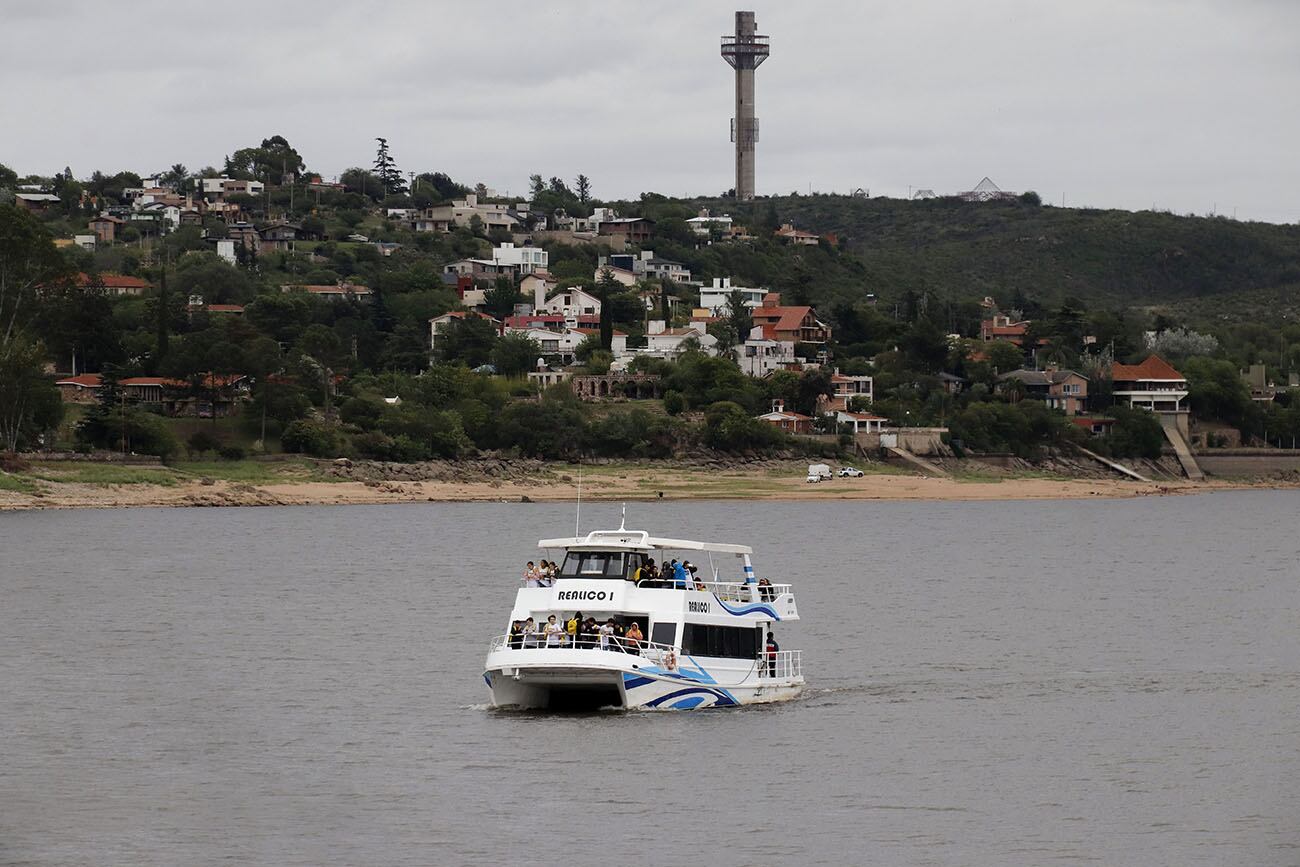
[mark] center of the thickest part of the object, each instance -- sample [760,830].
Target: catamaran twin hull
[591,679]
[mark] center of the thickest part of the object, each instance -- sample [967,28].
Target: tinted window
[723,642]
[664,633]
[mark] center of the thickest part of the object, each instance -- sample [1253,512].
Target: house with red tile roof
[1154,385]
[115,284]
[332,292]
[80,389]
[789,233]
[845,388]
[797,324]
[790,422]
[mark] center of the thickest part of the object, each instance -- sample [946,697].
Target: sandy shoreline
[630,484]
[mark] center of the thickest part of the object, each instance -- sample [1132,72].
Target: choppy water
[991,684]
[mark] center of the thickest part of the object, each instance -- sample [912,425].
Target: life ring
[670,661]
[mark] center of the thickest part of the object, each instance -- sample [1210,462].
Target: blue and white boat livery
[672,640]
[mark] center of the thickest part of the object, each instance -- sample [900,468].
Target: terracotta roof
[85,380]
[147,380]
[617,333]
[113,281]
[864,416]
[226,308]
[334,289]
[1154,367]
[780,318]
[784,415]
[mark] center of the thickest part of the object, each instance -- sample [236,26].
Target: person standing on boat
[530,634]
[516,635]
[530,575]
[554,633]
[633,638]
[771,649]
[606,634]
[573,627]
[679,576]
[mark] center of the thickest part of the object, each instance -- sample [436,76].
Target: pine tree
[583,187]
[386,170]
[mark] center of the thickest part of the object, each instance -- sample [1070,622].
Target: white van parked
[821,471]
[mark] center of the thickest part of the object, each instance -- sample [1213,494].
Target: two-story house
[1061,389]
[797,324]
[1154,385]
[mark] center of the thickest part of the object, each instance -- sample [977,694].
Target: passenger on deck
[588,630]
[765,591]
[771,649]
[516,635]
[633,638]
[530,575]
[572,628]
[680,579]
[607,634]
[530,633]
[545,577]
[554,632]
[692,571]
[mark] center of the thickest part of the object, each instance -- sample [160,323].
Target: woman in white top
[531,576]
[606,634]
[553,631]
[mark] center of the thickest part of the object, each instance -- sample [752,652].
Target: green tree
[386,170]
[582,186]
[606,288]
[500,300]
[29,402]
[536,185]
[28,261]
[469,341]
[274,158]
[515,354]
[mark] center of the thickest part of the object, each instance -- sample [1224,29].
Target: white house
[226,250]
[592,224]
[758,356]
[525,260]
[715,298]
[671,342]
[706,223]
[563,342]
[571,303]
[862,422]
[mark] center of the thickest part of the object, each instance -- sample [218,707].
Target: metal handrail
[781,664]
[739,591]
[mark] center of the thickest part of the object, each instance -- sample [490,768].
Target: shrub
[231,452]
[201,441]
[308,436]
[674,403]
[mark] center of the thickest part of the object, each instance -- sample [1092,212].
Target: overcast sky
[1187,105]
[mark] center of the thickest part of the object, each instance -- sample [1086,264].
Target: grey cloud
[1186,104]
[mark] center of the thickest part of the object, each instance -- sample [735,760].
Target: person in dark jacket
[770,650]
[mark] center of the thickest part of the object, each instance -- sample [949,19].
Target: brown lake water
[1012,683]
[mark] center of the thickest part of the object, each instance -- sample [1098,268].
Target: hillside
[1110,258]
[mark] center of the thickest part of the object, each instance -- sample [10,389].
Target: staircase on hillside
[1181,448]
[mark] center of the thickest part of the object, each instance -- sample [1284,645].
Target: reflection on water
[989,683]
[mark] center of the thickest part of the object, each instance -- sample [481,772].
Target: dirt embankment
[369,482]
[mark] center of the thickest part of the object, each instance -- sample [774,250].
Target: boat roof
[638,540]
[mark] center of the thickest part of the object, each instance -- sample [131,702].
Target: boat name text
[591,595]
[698,607]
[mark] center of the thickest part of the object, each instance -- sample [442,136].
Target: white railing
[734,591]
[586,641]
[782,664]
[776,666]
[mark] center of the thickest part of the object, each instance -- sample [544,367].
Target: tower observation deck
[744,51]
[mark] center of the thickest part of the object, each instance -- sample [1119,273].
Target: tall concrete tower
[744,51]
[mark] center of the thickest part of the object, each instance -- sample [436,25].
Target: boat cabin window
[664,633]
[600,564]
[728,642]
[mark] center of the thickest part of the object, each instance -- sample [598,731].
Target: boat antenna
[577,517]
[622,525]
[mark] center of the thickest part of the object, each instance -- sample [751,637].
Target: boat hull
[545,679]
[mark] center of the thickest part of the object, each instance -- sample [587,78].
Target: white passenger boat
[706,644]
